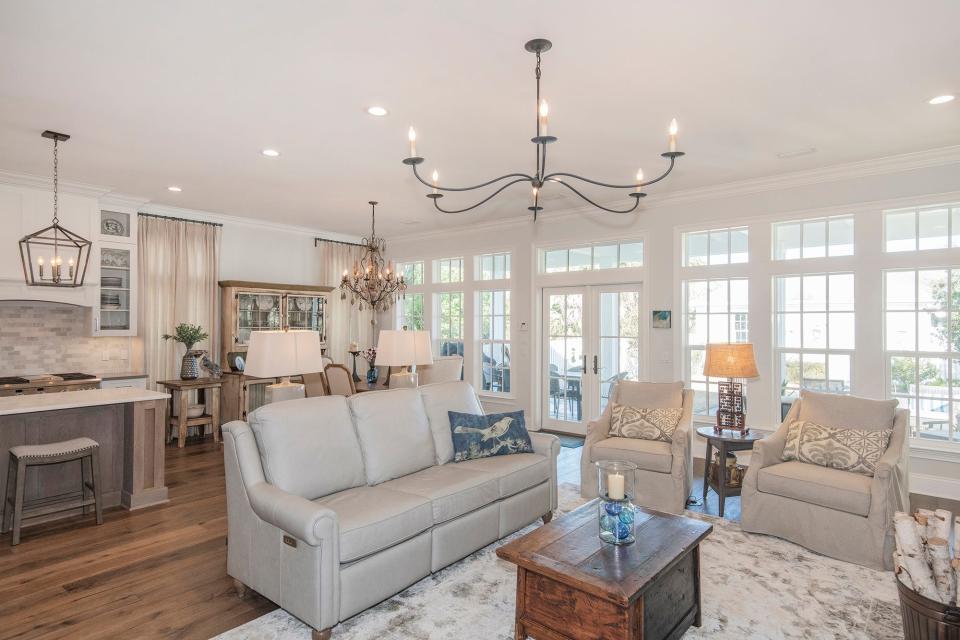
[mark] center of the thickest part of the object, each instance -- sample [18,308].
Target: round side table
[725,442]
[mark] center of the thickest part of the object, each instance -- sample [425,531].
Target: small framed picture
[661,319]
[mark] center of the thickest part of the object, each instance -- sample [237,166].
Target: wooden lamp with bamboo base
[737,363]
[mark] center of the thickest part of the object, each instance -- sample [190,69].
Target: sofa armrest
[297,516]
[547,444]
[889,491]
[769,451]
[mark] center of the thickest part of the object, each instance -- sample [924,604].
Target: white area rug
[753,587]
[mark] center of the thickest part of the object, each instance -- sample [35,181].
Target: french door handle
[596,362]
[584,363]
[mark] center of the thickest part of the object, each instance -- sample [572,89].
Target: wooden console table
[180,402]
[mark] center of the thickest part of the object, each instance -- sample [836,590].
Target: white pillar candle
[615,486]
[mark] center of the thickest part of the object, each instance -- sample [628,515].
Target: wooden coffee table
[572,586]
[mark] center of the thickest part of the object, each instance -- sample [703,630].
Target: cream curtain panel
[179,269]
[345,324]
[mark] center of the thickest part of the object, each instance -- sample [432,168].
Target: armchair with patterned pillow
[649,424]
[831,477]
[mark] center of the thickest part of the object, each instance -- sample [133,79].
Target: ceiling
[187,93]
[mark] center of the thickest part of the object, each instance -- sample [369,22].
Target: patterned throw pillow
[495,434]
[856,450]
[644,424]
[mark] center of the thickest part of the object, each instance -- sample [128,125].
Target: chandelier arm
[615,186]
[477,186]
[599,206]
[512,182]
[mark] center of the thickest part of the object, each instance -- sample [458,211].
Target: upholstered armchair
[665,473]
[837,513]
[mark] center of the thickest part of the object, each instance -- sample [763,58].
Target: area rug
[753,587]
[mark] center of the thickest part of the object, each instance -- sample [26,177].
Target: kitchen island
[128,423]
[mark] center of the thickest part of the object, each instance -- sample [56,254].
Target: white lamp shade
[274,354]
[404,348]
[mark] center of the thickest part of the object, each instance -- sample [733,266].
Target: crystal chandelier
[54,256]
[373,283]
[540,175]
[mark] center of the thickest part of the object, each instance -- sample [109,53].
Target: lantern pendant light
[54,256]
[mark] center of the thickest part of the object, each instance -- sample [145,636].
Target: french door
[592,337]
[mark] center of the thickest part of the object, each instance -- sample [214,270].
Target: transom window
[921,229]
[813,238]
[599,256]
[716,246]
[494,330]
[412,272]
[814,332]
[448,270]
[493,266]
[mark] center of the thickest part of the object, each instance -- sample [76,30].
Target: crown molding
[44,183]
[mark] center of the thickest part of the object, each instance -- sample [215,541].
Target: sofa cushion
[438,400]
[308,447]
[375,518]
[856,450]
[643,423]
[831,488]
[451,489]
[514,473]
[653,395]
[394,433]
[648,455]
[851,412]
[482,436]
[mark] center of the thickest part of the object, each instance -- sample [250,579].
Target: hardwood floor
[155,573]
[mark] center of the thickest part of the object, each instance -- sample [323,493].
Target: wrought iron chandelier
[373,283]
[540,175]
[43,253]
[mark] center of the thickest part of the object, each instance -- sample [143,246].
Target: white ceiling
[187,93]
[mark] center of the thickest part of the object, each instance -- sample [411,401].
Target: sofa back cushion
[394,433]
[308,447]
[438,400]
[850,412]
[649,395]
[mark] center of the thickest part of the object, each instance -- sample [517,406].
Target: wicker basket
[926,619]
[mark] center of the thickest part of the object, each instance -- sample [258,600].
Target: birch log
[938,524]
[901,571]
[939,552]
[956,579]
[922,517]
[914,556]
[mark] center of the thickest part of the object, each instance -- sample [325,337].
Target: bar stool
[85,450]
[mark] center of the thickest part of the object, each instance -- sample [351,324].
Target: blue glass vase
[372,375]
[616,512]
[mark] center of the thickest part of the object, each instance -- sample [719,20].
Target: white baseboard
[937,486]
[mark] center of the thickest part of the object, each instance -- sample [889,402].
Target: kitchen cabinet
[115,312]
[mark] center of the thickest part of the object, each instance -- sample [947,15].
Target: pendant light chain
[56,175]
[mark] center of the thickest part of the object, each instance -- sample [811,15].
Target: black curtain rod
[153,215]
[350,244]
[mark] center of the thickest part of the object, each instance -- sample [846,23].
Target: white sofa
[335,504]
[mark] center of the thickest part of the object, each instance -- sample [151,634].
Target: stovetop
[13,380]
[74,376]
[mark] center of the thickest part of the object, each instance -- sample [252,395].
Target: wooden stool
[177,417]
[29,455]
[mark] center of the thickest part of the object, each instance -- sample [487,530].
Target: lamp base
[284,390]
[404,380]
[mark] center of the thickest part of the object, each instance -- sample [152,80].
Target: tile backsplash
[43,337]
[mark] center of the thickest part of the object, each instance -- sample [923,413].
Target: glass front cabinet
[116,310]
[259,306]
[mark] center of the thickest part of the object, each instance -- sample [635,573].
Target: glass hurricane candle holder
[616,509]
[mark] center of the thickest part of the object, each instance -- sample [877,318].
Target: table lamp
[281,354]
[402,348]
[736,362]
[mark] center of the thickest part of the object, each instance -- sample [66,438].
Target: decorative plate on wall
[115,224]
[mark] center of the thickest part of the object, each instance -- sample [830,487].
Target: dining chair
[314,384]
[339,380]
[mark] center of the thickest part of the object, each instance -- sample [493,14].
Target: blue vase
[372,375]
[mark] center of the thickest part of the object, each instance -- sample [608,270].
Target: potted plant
[188,335]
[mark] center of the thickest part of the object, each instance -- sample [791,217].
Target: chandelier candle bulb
[673,135]
[412,137]
[639,180]
[436,179]
[544,112]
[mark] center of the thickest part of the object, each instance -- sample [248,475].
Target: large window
[493,266]
[716,246]
[448,331]
[814,238]
[921,229]
[814,332]
[410,311]
[448,270]
[922,336]
[715,310]
[494,331]
[599,256]
[412,272]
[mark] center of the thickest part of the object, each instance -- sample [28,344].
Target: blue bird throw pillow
[495,434]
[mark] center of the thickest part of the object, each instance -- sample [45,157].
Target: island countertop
[33,403]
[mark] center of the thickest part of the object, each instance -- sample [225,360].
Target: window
[494,316]
[717,246]
[814,332]
[814,238]
[449,323]
[412,272]
[447,270]
[922,336]
[715,311]
[624,255]
[921,229]
[493,266]
[410,311]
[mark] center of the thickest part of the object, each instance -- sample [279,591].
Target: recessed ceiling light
[941,99]
[174,188]
[270,153]
[377,111]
